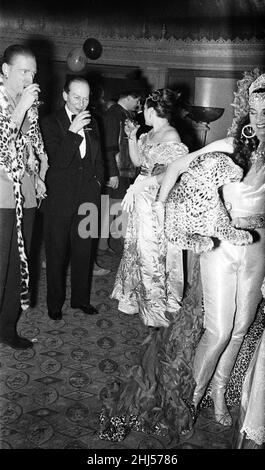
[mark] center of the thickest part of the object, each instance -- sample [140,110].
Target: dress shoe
[55,315]
[87,309]
[221,412]
[16,342]
[100,271]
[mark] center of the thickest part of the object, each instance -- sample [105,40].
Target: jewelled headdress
[251,81]
[257,84]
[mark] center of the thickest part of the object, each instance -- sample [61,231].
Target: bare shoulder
[229,140]
[171,135]
[228,143]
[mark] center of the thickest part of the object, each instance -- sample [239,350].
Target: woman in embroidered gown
[156,395]
[150,279]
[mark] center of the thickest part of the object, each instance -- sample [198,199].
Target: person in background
[120,169]
[98,107]
[23,164]
[74,180]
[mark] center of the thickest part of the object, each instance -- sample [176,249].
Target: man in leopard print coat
[23,164]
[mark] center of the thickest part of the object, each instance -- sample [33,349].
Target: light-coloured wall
[160,60]
[217,93]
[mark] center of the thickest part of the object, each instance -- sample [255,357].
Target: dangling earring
[248,132]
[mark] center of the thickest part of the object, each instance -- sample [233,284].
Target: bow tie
[72,117]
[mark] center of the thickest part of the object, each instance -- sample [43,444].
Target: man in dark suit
[120,170]
[73,181]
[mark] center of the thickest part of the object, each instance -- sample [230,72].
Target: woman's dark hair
[14,50]
[164,101]
[243,147]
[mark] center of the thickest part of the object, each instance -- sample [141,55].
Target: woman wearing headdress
[232,275]
[149,279]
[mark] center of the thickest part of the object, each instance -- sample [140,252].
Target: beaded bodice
[159,153]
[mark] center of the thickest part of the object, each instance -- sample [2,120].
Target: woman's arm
[225,145]
[130,130]
[134,151]
[176,168]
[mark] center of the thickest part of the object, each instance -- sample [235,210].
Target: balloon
[92,48]
[76,59]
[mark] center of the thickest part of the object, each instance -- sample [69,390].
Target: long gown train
[156,395]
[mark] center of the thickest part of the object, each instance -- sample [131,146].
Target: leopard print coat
[17,156]
[195,214]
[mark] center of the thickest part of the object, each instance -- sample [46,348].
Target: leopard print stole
[14,159]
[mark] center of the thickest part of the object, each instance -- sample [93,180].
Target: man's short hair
[16,50]
[71,79]
[134,93]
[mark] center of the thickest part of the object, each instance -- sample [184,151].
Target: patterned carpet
[50,395]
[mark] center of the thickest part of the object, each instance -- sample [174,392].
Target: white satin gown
[149,280]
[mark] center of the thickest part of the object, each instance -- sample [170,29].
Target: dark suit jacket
[70,179]
[114,126]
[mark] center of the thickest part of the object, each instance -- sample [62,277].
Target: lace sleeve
[172,151]
[181,149]
[256,435]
